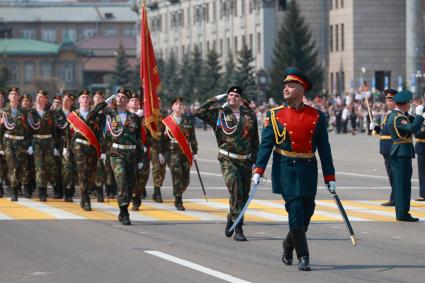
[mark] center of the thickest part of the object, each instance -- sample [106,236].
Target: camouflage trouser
[30,171]
[237,176]
[125,172]
[3,168]
[86,159]
[180,170]
[100,174]
[69,171]
[16,159]
[44,162]
[142,180]
[109,173]
[58,171]
[158,169]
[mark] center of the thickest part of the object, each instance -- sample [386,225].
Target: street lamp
[262,82]
[419,78]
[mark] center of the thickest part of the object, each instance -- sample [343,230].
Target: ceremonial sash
[81,127]
[177,133]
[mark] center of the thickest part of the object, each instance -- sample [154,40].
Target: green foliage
[294,47]
[229,73]
[121,75]
[244,75]
[210,77]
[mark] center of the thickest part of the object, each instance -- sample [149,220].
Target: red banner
[177,133]
[149,77]
[80,126]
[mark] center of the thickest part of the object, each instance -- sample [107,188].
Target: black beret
[235,89]
[175,99]
[125,91]
[390,92]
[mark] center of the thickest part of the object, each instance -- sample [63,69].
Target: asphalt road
[198,251]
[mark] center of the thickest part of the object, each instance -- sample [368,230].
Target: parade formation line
[215,210]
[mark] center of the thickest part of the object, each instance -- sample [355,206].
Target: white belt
[42,136]
[233,155]
[12,137]
[82,141]
[123,146]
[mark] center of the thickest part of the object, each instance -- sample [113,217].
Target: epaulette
[277,108]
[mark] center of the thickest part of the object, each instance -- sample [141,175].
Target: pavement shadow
[382,267]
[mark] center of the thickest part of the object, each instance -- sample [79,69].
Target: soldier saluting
[293,132]
[236,130]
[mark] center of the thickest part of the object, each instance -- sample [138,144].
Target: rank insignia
[266,122]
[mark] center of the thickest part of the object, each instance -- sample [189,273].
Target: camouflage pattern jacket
[42,125]
[167,142]
[14,126]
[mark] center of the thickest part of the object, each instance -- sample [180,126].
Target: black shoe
[239,235]
[226,230]
[87,204]
[178,203]
[420,199]
[124,216]
[14,195]
[409,218]
[304,263]
[157,197]
[68,196]
[1,189]
[100,197]
[143,195]
[388,203]
[288,250]
[28,192]
[57,192]
[42,194]
[137,201]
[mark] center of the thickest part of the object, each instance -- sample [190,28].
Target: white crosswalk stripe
[45,208]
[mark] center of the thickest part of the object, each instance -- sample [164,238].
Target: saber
[200,180]
[251,196]
[344,216]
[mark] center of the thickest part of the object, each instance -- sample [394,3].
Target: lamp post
[262,82]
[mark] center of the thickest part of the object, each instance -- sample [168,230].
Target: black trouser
[421,173]
[390,174]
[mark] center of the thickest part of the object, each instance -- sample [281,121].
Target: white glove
[220,96]
[161,158]
[419,110]
[195,157]
[1,152]
[30,151]
[65,153]
[109,99]
[372,126]
[56,152]
[332,186]
[256,179]
[139,112]
[103,157]
[140,165]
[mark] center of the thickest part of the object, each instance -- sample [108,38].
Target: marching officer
[293,132]
[420,152]
[236,130]
[126,152]
[402,127]
[385,140]
[14,141]
[179,146]
[158,162]
[26,104]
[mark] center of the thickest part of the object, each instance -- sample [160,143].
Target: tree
[134,79]
[229,70]
[294,47]
[51,85]
[210,76]
[121,75]
[190,71]
[244,75]
[4,77]
[186,77]
[170,80]
[197,66]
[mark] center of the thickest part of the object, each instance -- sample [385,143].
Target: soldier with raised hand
[294,131]
[179,146]
[44,143]
[126,151]
[14,141]
[83,139]
[236,130]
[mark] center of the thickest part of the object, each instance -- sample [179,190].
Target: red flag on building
[149,77]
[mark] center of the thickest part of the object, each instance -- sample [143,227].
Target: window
[331,4]
[342,37]
[251,41]
[129,32]
[235,8]
[214,11]
[221,46]
[236,44]
[331,38]
[46,70]
[110,32]
[242,8]
[336,4]
[181,18]
[88,32]
[332,83]
[342,3]
[342,82]
[228,46]
[207,13]
[71,33]
[48,35]
[336,38]
[67,72]
[13,70]
[258,43]
[282,5]
[29,72]
[28,34]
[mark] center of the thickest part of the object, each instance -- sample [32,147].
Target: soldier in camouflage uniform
[26,104]
[3,167]
[126,151]
[100,179]
[85,153]
[158,164]
[176,160]
[44,143]
[111,185]
[14,141]
[58,188]
[68,165]
[139,192]
[236,131]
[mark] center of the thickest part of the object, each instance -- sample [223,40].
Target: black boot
[14,195]
[72,191]
[299,240]
[288,249]
[137,201]
[100,197]
[157,197]
[57,192]
[178,203]
[239,236]
[68,195]
[1,189]
[86,203]
[228,225]
[42,194]
[28,191]
[124,216]
[143,194]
